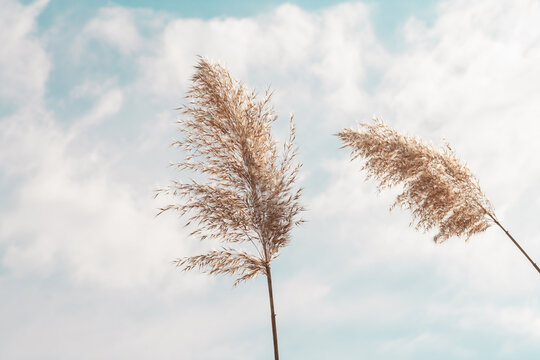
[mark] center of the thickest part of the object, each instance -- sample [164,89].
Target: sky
[86,118]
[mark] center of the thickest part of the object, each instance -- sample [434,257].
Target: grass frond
[440,191]
[248,192]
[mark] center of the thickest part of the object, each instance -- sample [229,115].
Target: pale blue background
[85,122]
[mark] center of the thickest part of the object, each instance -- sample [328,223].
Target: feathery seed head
[438,189]
[248,194]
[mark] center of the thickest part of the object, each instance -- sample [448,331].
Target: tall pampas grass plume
[440,191]
[247,198]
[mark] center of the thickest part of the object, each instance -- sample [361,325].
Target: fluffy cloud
[70,215]
[68,212]
[331,50]
[24,64]
[115,27]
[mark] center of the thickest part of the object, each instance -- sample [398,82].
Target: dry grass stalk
[248,196]
[439,190]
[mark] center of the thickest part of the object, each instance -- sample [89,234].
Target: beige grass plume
[247,197]
[439,190]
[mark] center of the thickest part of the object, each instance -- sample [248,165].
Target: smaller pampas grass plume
[246,198]
[439,190]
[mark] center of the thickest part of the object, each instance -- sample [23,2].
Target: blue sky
[86,116]
[387,16]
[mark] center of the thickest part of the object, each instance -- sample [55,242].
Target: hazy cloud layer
[85,266]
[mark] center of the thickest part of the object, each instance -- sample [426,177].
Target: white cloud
[92,88]
[332,49]
[115,27]
[523,320]
[404,347]
[89,323]
[108,105]
[24,65]
[69,215]
[472,78]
